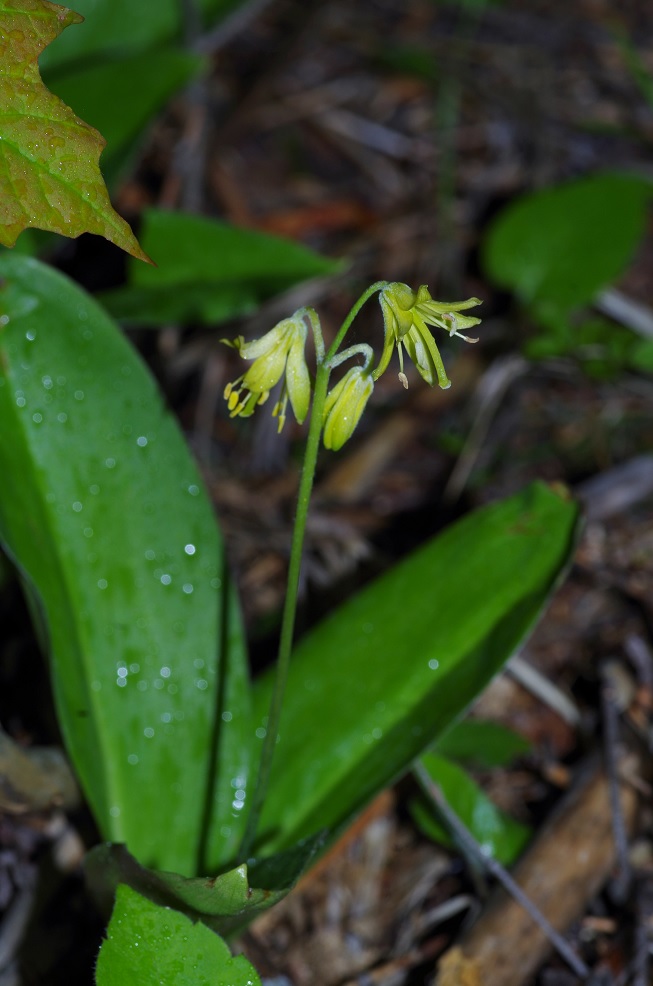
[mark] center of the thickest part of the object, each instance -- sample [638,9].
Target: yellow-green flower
[344,405]
[279,351]
[407,315]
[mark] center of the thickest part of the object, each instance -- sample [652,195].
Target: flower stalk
[279,355]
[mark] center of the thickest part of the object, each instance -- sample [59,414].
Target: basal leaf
[379,680]
[501,836]
[148,945]
[227,903]
[208,270]
[104,512]
[49,173]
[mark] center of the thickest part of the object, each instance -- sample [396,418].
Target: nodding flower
[407,315]
[279,353]
[345,404]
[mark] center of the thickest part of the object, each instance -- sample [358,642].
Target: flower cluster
[280,354]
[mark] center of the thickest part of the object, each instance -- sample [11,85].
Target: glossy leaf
[104,512]
[379,680]
[49,174]
[208,271]
[557,248]
[481,743]
[501,836]
[121,96]
[226,903]
[149,945]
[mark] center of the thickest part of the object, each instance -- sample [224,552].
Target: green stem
[344,328]
[294,567]
[289,609]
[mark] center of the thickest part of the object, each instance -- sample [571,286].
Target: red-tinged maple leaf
[49,172]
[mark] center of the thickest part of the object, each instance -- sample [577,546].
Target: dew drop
[190,549]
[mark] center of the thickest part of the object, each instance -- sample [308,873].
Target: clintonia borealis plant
[212,793]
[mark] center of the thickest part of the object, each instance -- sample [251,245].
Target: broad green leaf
[103,511]
[557,248]
[121,27]
[501,836]
[208,270]
[121,96]
[49,174]
[481,743]
[148,945]
[379,680]
[205,303]
[230,772]
[227,903]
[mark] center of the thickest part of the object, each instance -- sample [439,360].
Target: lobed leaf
[121,96]
[103,511]
[49,173]
[373,685]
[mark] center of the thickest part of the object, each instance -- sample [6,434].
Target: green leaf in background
[481,743]
[500,835]
[557,248]
[103,511]
[208,270]
[49,174]
[379,680]
[148,945]
[119,97]
[226,903]
[114,28]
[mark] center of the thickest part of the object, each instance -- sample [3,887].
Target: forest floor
[390,133]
